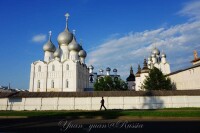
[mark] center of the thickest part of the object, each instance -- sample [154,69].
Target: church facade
[155,60]
[63,68]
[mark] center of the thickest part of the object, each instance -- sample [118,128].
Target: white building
[188,78]
[94,76]
[63,69]
[159,61]
[155,60]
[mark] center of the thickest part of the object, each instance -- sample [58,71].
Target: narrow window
[39,68]
[53,67]
[52,84]
[67,84]
[38,84]
[67,67]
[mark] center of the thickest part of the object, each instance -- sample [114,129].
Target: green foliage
[108,84]
[157,81]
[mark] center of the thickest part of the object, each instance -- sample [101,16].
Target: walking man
[102,104]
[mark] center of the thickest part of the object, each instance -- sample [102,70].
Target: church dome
[153,55]
[66,36]
[91,67]
[156,51]
[145,68]
[101,70]
[73,45]
[163,55]
[108,69]
[115,70]
[49,46]
[57,52]
[82,53]
[138,72]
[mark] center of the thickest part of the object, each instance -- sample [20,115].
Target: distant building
[155,60]
[9,89]
[131,80]
[113,75]
[94,76]
[158,61]
[63,69]
[188,78]
[4,89]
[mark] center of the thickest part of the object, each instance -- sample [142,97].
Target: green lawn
[173,112]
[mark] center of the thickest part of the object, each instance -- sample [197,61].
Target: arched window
[67,67]
[38,84]
[52,84]
[53,67]
[67,84]
[39,68]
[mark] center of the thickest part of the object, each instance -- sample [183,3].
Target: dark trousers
[102,106]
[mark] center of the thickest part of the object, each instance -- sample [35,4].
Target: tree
[157,81]
[108,84]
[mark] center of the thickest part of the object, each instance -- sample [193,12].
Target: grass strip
[181,112]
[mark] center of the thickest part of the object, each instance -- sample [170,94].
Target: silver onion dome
[163,55]
[101,70]
[115,70]
[153,55]
[73,45]
[108,69]
[66,36]
[57,52]
[49,46]
[91,67]
[156,51]
[82,53]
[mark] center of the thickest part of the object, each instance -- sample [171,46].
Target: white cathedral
[155,60]
[63,69]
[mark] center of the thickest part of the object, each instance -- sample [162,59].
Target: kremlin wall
[91,100]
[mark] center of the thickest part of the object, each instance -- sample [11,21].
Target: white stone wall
[3,103]
[93,103]
[186,80]
[33,104]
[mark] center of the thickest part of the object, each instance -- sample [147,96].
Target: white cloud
[39,38]
[191,9]
[178,42]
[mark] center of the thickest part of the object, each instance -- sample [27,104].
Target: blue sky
[115,33]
